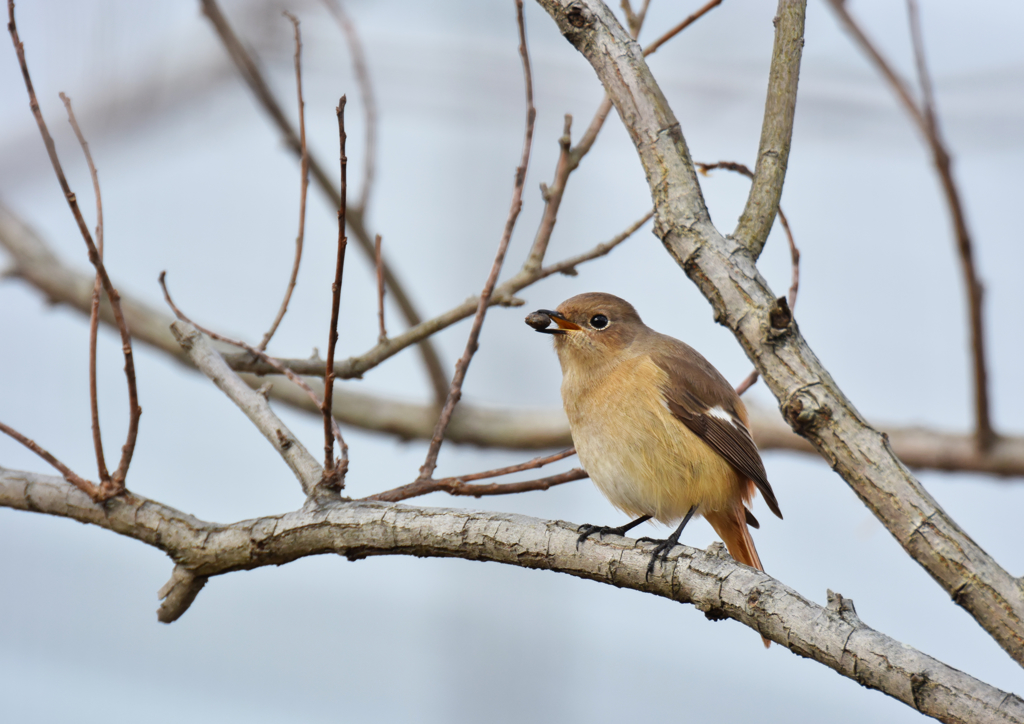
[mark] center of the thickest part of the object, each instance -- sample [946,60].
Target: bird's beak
[559,319]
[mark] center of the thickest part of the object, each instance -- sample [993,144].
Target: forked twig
[455,391]
[97,287]
[927,123]
[116,483]
[334,472]
[794,253]
[458,485]
[304,185]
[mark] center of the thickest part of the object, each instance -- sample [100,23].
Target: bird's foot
[586,530]
[665,546]
[661,552]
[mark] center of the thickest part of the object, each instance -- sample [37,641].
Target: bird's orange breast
[638,454]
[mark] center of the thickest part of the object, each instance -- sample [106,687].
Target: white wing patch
[721,414]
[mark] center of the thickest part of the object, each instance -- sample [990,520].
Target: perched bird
[659,430]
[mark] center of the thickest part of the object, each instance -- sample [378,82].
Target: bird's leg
[666,546]
[586,530]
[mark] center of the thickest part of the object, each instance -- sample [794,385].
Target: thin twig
[455,391]
[355,48]
[334,472]
[552,198]
[984,432]
[455,486]
[794,253]
[97,287]
[422,487]
[680,28]
[273,363]
[383,336]
[252,76]
[94,492]
[927,123]
[116,483]
[303,185]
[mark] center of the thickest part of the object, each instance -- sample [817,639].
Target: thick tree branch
[808,397]
[710,580]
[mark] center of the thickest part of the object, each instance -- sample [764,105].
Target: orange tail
[731,526]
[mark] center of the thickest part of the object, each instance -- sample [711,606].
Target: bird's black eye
[599,321]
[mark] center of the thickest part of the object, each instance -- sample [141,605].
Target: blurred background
[197,182]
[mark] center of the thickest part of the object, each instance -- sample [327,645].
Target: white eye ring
[599,321]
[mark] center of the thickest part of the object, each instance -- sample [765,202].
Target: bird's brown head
[591,328]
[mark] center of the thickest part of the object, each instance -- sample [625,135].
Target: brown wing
[700,398]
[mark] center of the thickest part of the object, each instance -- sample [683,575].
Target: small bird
[659,430]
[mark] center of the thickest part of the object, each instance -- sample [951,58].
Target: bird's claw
[660,553]
[586,530]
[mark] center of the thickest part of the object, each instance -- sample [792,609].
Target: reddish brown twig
[925,119]
[116,482]
[681,27]
[94,492]
[454,486]
[457,483]
[383,336]
[275,364]
[94,313]
[304,184]
[253,78]
[794,253]
[355,47]
[334,471]
[455,391]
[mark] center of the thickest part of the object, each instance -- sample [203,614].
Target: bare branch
[382,338]
[456,485]
[97,287]
[710,580]
[250,402]
[303,185]
[809,398]
[673,32]
[116,483]
[355,48]
[250,72]
[94,492]
[334,473]
[927,124]
[777,128]
[455,392]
